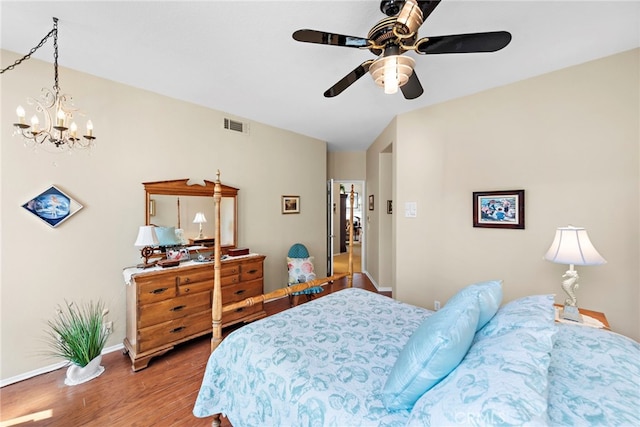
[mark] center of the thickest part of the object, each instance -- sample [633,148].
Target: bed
[357,358]
[327,362]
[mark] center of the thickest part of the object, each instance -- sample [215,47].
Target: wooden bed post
[216,307]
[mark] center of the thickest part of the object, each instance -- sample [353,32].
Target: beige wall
[141,137]
[571,140]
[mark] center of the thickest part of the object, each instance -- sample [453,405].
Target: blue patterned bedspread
[325,362]
[594,378]
[339,349]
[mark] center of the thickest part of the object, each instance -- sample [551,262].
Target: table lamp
[146,240]
[200,219]
[572,246]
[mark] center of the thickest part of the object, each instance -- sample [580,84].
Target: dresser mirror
[174,204]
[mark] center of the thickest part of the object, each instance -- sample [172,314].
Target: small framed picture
[371,202]
[498,209]
[389,206]
[290,204]
[53,206]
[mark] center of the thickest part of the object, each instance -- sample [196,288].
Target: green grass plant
[78,333]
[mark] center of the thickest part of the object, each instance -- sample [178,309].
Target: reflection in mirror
[180,211]
[176,203]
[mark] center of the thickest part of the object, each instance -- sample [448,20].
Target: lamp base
[570,312]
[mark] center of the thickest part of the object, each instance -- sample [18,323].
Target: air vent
[236,126]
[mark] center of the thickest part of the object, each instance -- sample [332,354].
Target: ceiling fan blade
[322,37]
[427,7]
[412,88]
[464,43]
[348,80]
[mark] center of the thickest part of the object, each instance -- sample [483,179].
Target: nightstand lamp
[200,219]
[146,240]
[572,246]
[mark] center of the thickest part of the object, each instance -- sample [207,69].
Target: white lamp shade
[571,245]
[147,236]
[199,219]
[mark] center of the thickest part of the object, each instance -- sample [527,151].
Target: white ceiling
[239,56]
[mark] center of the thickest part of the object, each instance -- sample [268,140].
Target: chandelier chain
[53,32]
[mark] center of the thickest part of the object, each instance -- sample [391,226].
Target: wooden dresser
[169,306]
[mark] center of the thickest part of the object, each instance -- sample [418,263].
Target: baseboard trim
[376,285]
[50,368]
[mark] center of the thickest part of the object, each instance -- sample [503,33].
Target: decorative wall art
[53,206]
[290,204]
[389,206]
[371,202]
[498,209]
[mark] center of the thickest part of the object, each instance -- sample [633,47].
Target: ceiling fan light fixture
[392,72]
[409,19]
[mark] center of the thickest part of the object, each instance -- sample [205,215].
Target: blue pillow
[488,296]
[167,236]
[432,352]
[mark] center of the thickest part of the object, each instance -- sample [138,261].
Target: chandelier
[57,132]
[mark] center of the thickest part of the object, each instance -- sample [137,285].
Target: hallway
[340,261]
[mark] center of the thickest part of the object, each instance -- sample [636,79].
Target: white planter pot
[78,375]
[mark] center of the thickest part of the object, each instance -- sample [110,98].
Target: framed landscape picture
[290,204]
[498,209]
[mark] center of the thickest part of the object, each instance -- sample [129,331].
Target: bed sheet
[340,349]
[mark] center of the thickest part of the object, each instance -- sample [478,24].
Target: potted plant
[78,334]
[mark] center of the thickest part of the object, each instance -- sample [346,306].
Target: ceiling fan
[390,38]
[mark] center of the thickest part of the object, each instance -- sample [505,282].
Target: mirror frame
[181,187]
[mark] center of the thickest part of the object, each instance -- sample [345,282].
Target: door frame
[331,212]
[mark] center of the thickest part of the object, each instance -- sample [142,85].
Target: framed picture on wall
[53,206]
[498,209]
[371,203]
[290,204]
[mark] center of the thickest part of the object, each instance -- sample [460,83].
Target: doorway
[340,226]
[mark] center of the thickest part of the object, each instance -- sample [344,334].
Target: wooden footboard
[217,309]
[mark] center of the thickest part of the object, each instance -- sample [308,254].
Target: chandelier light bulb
[89,128]
[21,113]
[73,129]
[61,117]
[34,123]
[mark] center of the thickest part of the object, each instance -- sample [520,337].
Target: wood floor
[161,395]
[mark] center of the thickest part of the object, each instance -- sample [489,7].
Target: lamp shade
[147,236]
[199,218]
[571,245]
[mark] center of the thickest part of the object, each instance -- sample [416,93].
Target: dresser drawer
[230,270]
[250,271]
[195,287]
[154,290]
[165,333]
[159,312]
[195,276]
[241,291]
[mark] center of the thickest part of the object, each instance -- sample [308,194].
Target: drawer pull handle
[238,310]
[187,290]
[240,292]
[187,280]
[178,329]
[255,270]
[177,308]
[158,291]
